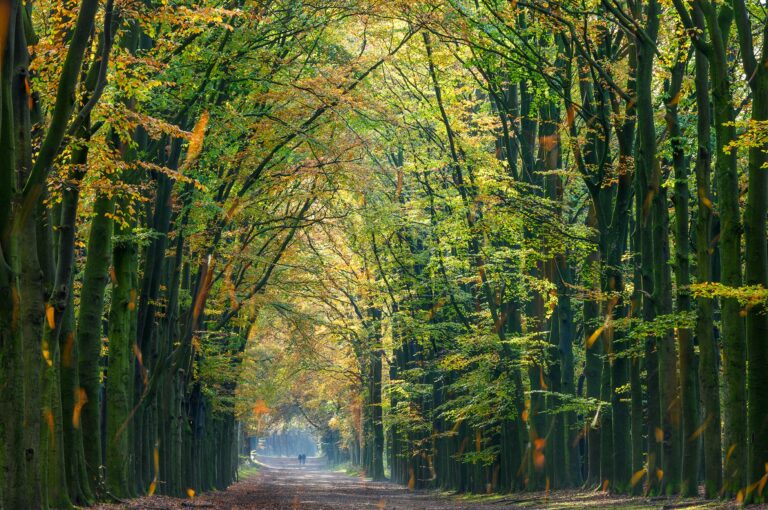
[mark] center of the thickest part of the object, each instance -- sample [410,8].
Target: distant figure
[303,459]
[300,459]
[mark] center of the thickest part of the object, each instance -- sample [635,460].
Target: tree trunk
[688,377]
[119,381]
[89,328]
[709,382]
[727,177]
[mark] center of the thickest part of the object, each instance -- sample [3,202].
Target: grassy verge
[247,470]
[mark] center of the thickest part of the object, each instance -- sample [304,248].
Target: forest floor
[281,484]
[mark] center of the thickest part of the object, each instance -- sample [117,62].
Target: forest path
[281,484]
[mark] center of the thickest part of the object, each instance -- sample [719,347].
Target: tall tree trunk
[119,381]
[709,379]
[72,399]
[719,21]
[755,66]
[646,160]
[11,342]
[376,411]
[89,328]
[32,288]
[593,364]
[688,377]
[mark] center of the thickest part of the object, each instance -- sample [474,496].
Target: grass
[247,469]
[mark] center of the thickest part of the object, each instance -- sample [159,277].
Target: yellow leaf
[701,429]
[703,199]
[647,204]
[594,336]
[637,477]
[47,354]
[152,487]
[191,493]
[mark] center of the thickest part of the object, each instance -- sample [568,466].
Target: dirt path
[281,484]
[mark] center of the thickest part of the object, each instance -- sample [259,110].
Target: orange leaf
[50,314]
[637,477]
[196,140]
[69,347]
[49,419]
[5,21]
[28,90]
[539,459]
[675,100]
[81,398]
